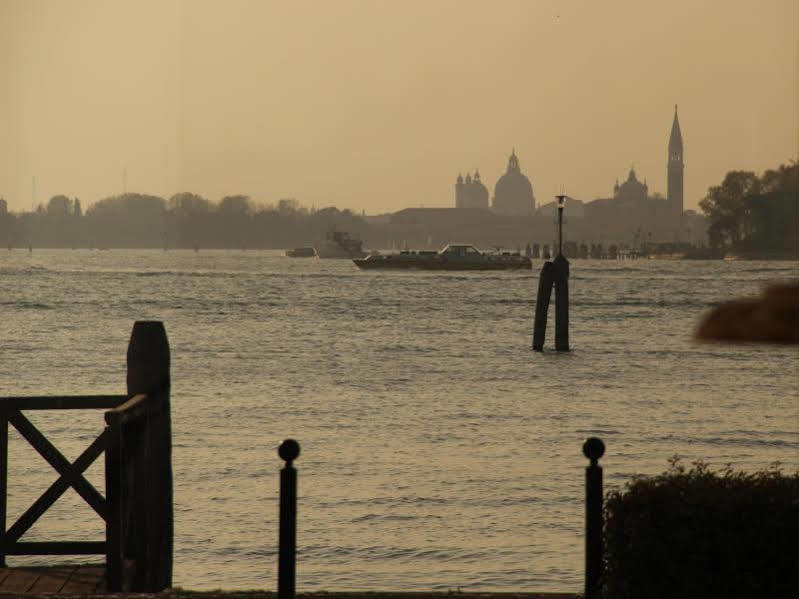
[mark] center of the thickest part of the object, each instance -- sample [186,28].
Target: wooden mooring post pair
[593,449]
[137,507]
[553,274]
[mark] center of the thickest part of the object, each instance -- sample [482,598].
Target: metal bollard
[287,557]
[593,449]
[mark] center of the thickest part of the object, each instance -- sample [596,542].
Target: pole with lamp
[553,274]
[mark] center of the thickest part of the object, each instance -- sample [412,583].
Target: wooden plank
[20,580]
[133,408]
[55,458]
[62,402]
[83,580]
[51,495]
[57,548]
[52,580]
[113,496]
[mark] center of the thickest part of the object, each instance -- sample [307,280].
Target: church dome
[632,190]
[513,193]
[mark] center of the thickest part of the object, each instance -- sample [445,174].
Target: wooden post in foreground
[593,449]
[149,446]
[287,557]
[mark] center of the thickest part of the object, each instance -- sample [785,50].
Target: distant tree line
[754,214]
[186,220]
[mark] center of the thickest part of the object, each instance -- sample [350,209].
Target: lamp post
[561,200]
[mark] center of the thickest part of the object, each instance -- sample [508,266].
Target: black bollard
[287,568]
[545,281]
[593,449]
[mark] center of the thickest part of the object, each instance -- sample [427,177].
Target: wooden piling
[141,429]
[561,270]
[545,281]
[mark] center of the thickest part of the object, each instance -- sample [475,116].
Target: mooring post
[561,272]
[593,449]
[545,281]
[287,555]
[148,373]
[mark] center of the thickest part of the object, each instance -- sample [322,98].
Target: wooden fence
[136,441]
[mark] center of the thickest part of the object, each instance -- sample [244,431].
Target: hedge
[699,533]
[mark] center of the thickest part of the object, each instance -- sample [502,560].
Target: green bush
[700,533]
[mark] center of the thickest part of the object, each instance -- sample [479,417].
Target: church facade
[470,192]
[513,192]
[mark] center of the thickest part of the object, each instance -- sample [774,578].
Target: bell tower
[674,169]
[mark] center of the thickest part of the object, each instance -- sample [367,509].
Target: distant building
[3,206]
[631,193]
[470,192]
[513,193]
[572,208]
[674,169]
[632,208]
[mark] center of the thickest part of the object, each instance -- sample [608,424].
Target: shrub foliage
[702,533]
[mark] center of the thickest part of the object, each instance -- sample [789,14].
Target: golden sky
[377,105]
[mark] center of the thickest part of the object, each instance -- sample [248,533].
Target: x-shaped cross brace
[71,475]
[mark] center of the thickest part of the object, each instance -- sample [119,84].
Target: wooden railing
[136,441]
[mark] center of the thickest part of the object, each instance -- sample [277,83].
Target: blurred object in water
[773,317]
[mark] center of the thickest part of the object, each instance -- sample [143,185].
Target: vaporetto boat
[451,257]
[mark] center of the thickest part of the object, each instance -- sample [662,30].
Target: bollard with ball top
[286,570]
[593,449]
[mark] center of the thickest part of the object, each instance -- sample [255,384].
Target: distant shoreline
[706,254]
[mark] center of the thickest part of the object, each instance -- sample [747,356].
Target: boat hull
[385,263]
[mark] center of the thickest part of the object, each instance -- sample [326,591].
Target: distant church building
[674,169]
[470,192]
[630,193]
[632,208]
[513,193]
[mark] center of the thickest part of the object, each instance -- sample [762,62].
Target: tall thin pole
[561,198]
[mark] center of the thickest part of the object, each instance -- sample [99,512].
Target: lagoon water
[438,451]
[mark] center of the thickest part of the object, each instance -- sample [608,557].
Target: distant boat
[339,244]
[306,252]
[451,257]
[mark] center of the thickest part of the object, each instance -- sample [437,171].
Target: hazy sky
[378,105]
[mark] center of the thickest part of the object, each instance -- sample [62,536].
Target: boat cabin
[460,250]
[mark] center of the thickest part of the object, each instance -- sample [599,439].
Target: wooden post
[545,281]
[561,269]
[286,569]
[153,520]
[3,484]
[593,449]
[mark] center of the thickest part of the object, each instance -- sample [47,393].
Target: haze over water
[377,106]
[438,451]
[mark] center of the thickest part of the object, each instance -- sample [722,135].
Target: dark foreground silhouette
[773,317]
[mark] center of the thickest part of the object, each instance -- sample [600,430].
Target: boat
[306,252]
[339,244]
[455,256]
